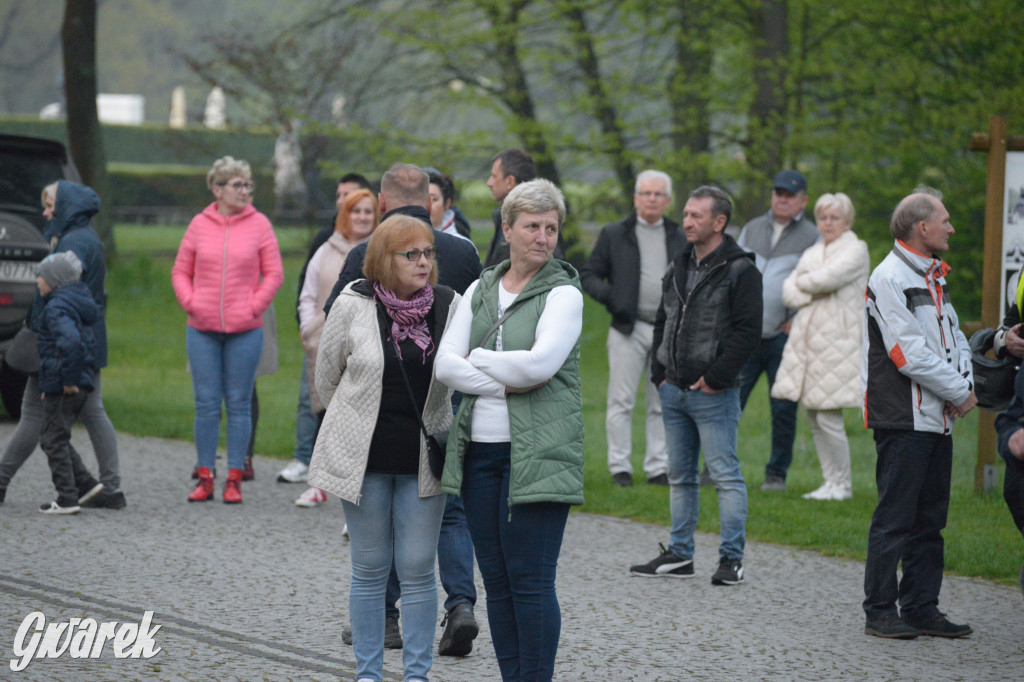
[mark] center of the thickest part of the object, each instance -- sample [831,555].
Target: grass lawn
[148,392]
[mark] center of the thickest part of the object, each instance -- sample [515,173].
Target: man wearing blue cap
[777,239]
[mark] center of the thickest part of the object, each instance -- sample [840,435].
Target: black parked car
[27,165]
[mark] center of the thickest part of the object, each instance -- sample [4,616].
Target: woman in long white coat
[821,362]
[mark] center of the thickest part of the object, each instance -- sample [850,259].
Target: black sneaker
[460,629]
[3,494]
[937,625]
[107,501]
[623,479]
[730,572]
[660,479]
[890,626]
[666,565]
[89,490]
[55,508]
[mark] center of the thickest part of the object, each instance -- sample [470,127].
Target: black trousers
[66,468]
[913,476]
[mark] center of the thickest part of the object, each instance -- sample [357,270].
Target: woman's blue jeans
[392,520]
[517,551]
[223,370]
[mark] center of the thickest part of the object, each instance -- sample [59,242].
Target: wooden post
[991,279]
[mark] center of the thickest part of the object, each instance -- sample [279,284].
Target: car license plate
[17,271]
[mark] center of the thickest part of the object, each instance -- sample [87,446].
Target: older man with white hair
[917,378]
[624,273]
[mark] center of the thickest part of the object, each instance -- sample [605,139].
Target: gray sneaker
[773,483]
[392,634]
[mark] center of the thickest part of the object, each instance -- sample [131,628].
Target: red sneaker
[247,473]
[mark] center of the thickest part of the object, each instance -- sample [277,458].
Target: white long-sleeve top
[486,373]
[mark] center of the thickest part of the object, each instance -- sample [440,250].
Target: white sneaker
[311,498]
[344,534]
[822,493]
[840,492]
[295,472]
[55,508]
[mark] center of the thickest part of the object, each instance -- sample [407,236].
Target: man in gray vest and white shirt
[624,273]
[777,239]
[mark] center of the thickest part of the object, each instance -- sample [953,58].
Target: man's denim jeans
[695,420]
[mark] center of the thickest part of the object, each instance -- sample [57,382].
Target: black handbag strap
[494,327]
[382,316]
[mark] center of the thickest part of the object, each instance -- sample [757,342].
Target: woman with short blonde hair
[820,365]
[225,275]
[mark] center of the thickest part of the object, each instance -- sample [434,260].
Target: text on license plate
[17,271]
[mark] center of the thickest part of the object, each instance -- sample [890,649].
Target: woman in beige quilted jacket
[375,374]
[821,362]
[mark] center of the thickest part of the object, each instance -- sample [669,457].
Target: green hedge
[158,144]
[174,186]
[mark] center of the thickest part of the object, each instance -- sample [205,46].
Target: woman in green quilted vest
[515,453]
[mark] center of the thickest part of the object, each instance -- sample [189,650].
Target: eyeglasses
[652,195]
[429,253]
[240,186]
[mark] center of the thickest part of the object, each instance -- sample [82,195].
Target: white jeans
[629,360]
[833,449]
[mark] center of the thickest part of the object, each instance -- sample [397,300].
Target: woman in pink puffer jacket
[225,275]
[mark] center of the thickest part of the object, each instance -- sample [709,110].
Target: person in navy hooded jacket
[67,348]
[69,208]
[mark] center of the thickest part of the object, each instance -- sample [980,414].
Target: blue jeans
[305,422]
[913,476]
[766,358]
[223,370]
[517,551]
[696,420]
[392,520]
[454,562]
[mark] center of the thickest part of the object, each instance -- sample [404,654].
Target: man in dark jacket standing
[624,274]
[508,168]
[458,263]
[707,324]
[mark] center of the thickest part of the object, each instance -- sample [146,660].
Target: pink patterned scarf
[409,318]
